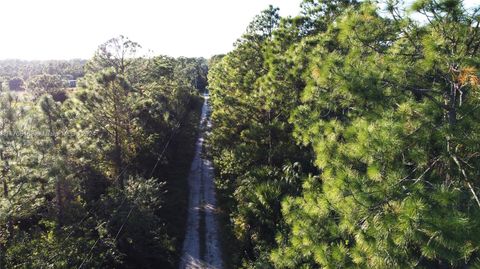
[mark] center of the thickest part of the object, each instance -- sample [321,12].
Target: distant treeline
[18,72]
[26,69]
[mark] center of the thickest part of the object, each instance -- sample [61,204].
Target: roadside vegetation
[88,170]
[347,136]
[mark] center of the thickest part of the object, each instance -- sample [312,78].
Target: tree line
[21,75]
[86,180]
[347,136]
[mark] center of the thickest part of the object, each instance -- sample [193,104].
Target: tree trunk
[118,161]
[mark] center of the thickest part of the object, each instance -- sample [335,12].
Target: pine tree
[391,191]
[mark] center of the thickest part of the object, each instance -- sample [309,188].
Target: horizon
[58,31]
[54,30]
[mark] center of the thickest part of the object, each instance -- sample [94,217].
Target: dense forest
[95,177]
[344,137]
[348,137]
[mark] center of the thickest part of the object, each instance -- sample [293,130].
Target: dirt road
[201,248]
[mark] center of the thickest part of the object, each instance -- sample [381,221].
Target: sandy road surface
[201,248]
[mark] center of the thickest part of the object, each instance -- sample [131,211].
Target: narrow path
[201,248]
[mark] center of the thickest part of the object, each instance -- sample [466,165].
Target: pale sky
[65,29]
